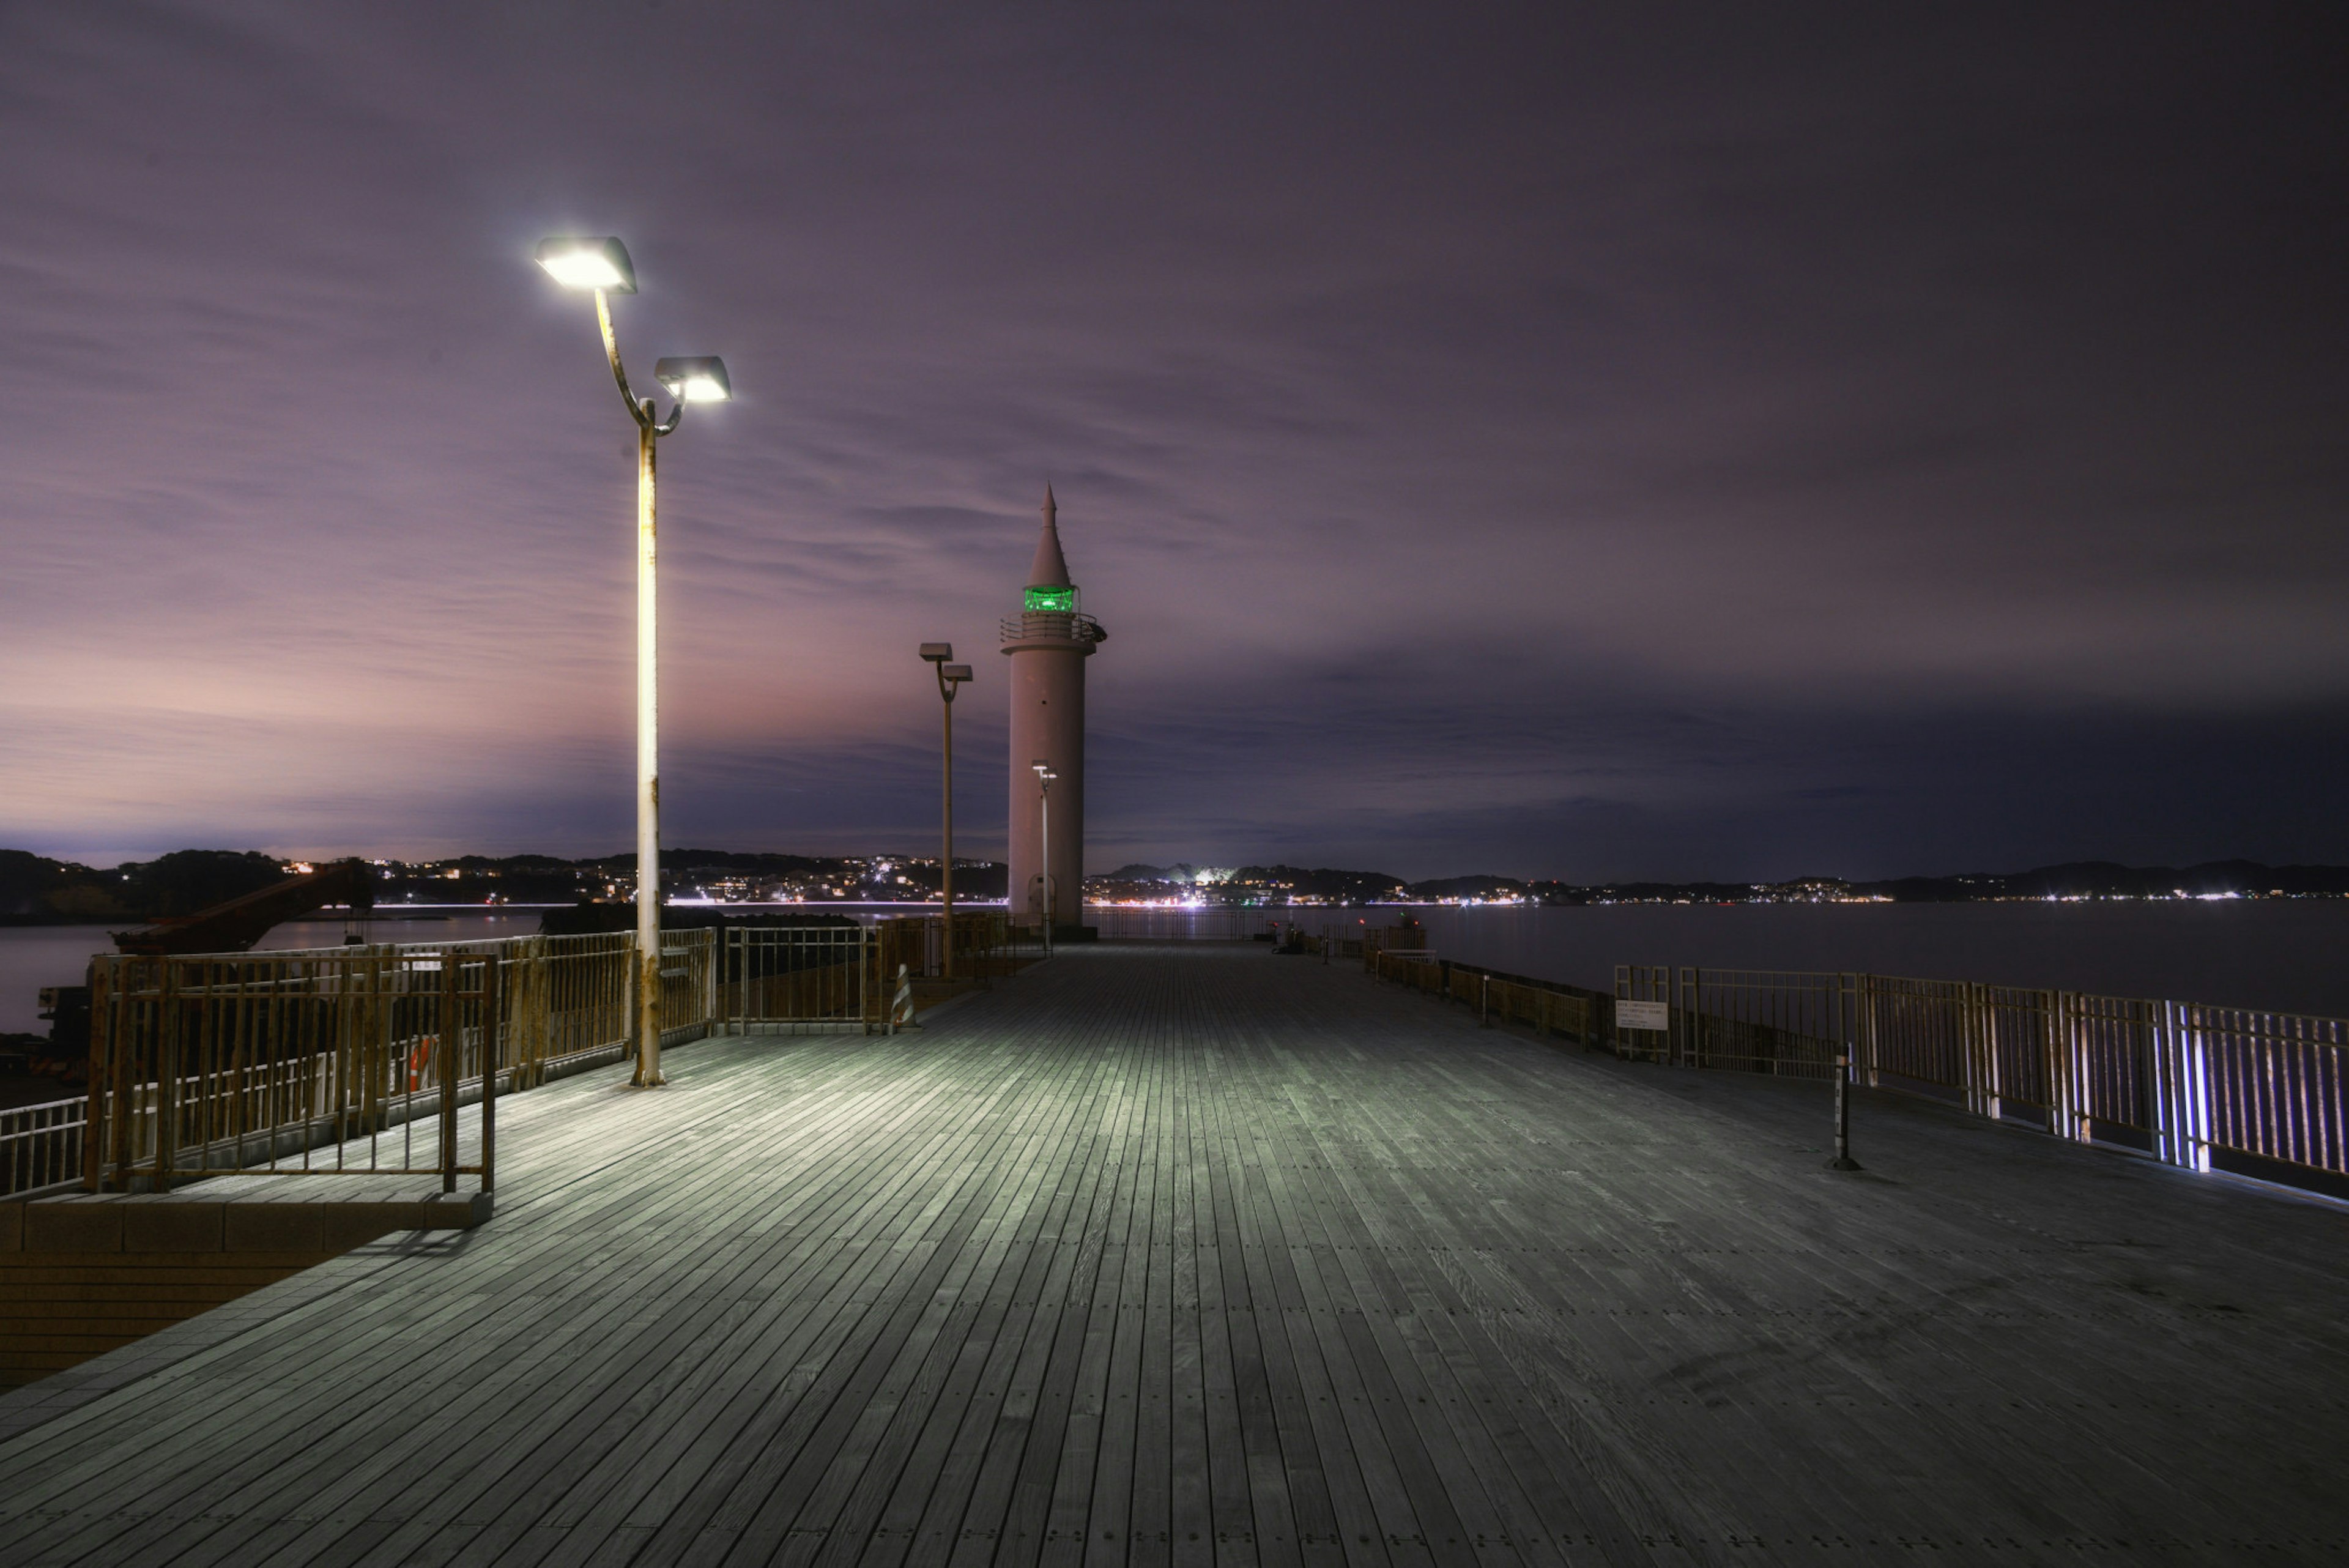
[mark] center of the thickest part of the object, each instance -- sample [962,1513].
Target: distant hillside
[2073,880]
[1248,884]
[36,889]
[1321,883]
[1470,888]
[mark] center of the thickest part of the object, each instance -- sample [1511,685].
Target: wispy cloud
[1564,444]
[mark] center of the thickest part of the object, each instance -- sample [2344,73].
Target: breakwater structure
[1164,1252]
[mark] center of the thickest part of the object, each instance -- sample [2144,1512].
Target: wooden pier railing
[1549,1007]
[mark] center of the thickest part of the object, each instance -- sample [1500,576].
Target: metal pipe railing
[2194,1085]
[334,1059]
[2202,1087]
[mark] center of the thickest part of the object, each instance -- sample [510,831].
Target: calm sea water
[2284,956]
[34,956]
[2290,956]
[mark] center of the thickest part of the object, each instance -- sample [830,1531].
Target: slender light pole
[1044,778]
[950,676]
[601,263]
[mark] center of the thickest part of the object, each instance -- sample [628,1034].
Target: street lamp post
[600,263]
[1044,778]
[950,677]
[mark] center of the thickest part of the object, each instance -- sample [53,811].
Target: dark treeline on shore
[37,890]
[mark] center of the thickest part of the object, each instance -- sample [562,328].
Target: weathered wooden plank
[557,1341]
[1110,1492]
[1029,1519]
[1067,1512]
[378,1457]
[954,1406]
[979,1471]
[1158,1244]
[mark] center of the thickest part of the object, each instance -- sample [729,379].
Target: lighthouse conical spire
[1050,569]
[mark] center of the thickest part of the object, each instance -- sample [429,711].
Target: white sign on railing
[1644,1016]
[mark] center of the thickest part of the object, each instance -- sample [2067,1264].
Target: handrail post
[1969,1049]
[446,1048]
[167,1078]
[493,1044]
[2166,1085]
[2055,1050]
[735,963]
[96,1123]
[2185,1136]
[1865,989]
[2072,1048]
[1688,983]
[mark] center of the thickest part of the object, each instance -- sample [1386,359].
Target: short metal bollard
[901,1006]
[1843,1161]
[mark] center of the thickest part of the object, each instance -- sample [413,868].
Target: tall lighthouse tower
[1048,642]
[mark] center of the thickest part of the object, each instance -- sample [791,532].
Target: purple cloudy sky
[1640,441]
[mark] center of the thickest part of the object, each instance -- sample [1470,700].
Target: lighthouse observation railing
[2257,1094]
[1052,626]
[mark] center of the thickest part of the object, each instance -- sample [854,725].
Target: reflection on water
[2287,956]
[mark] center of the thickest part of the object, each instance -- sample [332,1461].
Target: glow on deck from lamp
[1059,600]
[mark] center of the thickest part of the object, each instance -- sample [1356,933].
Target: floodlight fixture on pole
[589,261]
[1044,778]
[600,263]
[950,677]
[698,379]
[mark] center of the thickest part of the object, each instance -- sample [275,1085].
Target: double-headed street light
[600,263]
[1044,778]
[950,677]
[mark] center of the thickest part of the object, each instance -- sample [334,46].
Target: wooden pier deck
[1192,1256]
